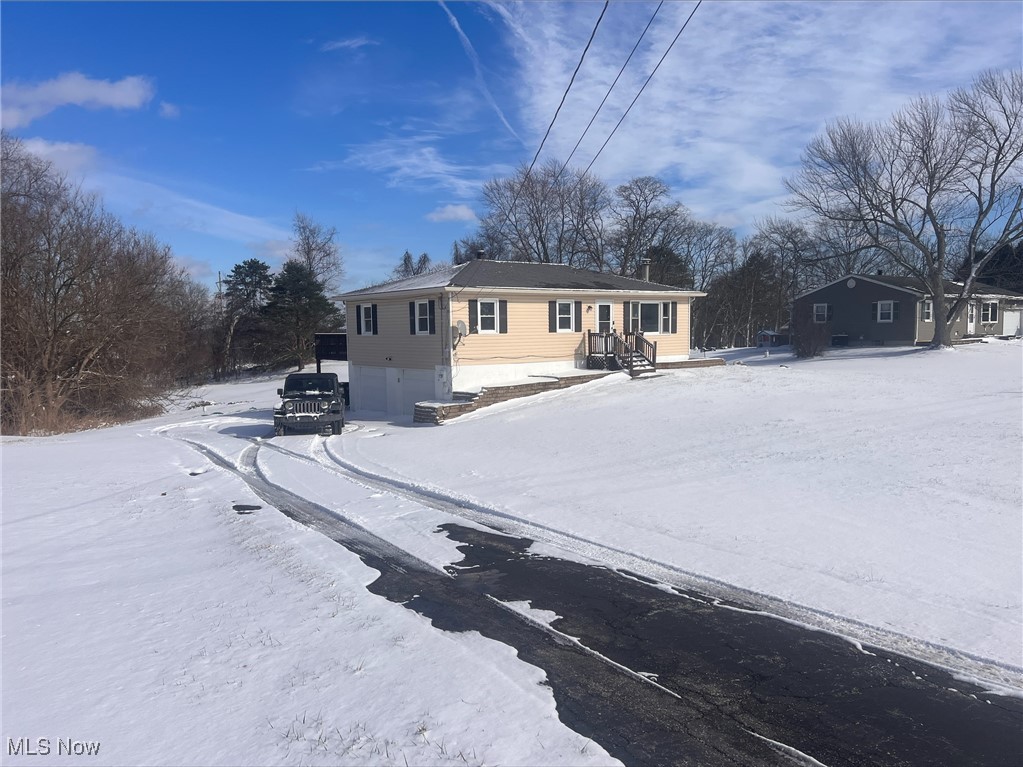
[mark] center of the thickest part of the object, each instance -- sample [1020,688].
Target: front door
[605,323]
[971,319]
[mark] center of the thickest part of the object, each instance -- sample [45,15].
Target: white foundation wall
[473,377]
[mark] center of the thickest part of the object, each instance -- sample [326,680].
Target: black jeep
[310,402]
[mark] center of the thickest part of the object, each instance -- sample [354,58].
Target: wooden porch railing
[622,348]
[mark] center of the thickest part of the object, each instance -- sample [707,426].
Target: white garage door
[416,386]
[369,388]
[1010,322]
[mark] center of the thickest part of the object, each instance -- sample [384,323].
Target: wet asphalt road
[732,687]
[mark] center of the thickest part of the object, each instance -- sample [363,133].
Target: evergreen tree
[298,308]
[411,267]
[247,289]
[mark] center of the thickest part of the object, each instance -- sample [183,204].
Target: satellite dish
[460,326]
[457,332]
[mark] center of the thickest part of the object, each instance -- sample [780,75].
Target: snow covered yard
[149,608]
[145,613]
[880,485]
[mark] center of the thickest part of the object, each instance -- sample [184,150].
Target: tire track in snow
[1004,677]
[999,677]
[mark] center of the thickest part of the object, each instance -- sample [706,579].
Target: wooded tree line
[933,193]
[97,323]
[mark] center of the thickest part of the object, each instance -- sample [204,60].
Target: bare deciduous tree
[549,215]
[315,247]
[91,311]
[936,186]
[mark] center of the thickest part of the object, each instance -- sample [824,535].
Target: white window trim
[367,320]
[637,317]
[881,311]
[820,310]
[986,310]
[495,315]
[422,315]
[928,310]
[571,316]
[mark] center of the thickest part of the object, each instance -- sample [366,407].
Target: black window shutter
[895,310]
[577,320]
[552,316]
[873,311]
[373,311]
[627,317]
[474,316]
[829,313]
[412,317]
[433,318]
[358,320]
[674,316]
[502,316]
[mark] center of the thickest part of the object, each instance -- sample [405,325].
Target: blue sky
[211,124]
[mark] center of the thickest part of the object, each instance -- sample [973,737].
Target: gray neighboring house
[881,309]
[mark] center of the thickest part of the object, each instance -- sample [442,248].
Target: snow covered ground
[879,490]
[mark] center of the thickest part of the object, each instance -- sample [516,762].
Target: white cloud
[452,213]
[160,206]
[22,104]
[470,51]
[74,159]
[169,111]
[416,162]
[746,87]
[349,44]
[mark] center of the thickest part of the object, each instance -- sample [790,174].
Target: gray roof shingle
[484,273]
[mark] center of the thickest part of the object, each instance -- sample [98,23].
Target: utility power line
[564,96]
[643,87]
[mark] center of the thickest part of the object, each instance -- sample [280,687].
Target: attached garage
[390,390]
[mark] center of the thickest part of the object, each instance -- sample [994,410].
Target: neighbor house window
[821,313]
[927,310]
[885,311]
[989,312]
[488,316]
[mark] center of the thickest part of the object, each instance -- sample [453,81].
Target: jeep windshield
[308,385]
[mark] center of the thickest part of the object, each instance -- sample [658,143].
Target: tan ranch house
[486,323]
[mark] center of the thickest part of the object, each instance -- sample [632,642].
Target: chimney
[644,265]
[480,255]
